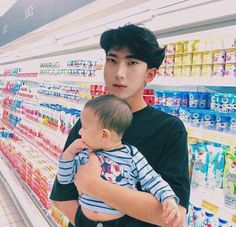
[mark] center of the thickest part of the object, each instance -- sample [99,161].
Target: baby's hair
[113,113]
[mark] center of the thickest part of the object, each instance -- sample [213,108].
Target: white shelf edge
[199,196]
[211,135]
[98,78]
[25,201]
[188,81]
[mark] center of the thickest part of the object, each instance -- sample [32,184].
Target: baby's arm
[70,161]
[152,182]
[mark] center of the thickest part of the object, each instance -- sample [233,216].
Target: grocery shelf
[20,135]
[210,135]
[185,81]
[213,201]
[98,78]
[32,211]
[59,100]
[54,134]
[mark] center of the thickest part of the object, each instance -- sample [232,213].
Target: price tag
[209,206]
[234,218]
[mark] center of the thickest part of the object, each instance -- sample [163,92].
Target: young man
[132,58]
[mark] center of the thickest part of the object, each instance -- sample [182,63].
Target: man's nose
[121,71]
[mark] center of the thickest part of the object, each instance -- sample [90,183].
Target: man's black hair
[140,41]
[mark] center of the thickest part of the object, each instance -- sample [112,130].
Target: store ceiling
[66,33]
[5,6]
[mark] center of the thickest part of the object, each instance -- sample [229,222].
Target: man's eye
[133,63]
[110,60]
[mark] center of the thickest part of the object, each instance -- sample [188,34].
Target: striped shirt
[126,167]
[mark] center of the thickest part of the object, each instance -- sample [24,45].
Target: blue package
[208,119]
[225,103]
[185,99]
[222,122]
[232,123]
[196,117]
[194,99]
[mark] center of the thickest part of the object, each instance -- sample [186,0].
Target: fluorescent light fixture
[6,5]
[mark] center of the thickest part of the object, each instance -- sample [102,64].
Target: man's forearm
[68,208]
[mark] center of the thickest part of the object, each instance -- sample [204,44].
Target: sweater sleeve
[173,163]
[66,171]
[150,180]
[68,168]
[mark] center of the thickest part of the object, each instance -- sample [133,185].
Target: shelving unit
[32,211]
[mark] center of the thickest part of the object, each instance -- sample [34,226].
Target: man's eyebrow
[127,56]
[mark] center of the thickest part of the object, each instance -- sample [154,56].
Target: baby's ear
[106,134]
[151,73]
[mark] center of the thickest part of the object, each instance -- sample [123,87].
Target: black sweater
[162,139]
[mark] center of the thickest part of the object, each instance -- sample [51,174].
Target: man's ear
[151,73]
[106,134]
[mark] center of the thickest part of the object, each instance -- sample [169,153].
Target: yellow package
[206,70]
[170,49]
[169,71]
[219,56]
[170,60]
[230,69]
[188,46]
[197,46]
[177,71]
[197,58]
[231,55]
[196,70]
[218,70]
[187,59]
[178,59]
[207,57]
[178,47]
[161,71]
[186,71]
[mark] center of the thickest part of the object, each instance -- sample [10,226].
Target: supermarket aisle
[9,215]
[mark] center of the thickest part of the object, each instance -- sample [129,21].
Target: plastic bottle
[200,166]
[209,220]
[230,185]
[222,223]
[220,167]
[197,216]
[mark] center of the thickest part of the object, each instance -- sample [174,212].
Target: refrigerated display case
[43,93]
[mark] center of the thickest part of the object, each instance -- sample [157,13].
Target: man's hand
[88,176]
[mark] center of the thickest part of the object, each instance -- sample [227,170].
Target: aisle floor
[9,215]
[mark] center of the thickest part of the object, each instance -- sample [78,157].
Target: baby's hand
[77,146]
[171,212]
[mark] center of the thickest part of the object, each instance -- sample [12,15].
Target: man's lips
[119,85]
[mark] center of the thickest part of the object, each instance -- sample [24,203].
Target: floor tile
[4,220]
[18,224]
[14,218]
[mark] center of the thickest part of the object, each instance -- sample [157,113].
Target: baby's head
[104,120]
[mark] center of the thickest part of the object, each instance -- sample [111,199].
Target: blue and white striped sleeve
[150,180]
[68,168]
